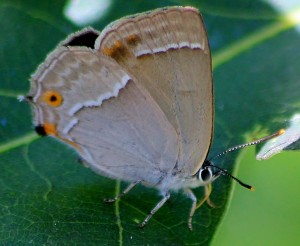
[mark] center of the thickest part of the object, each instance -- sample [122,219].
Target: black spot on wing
[40,130]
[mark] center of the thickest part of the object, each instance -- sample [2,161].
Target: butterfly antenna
[276,134]
[224,172]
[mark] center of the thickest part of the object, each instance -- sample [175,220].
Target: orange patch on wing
[107,51]
[133,39]
[117,50]
[118,45]
[50,129]
[73,144]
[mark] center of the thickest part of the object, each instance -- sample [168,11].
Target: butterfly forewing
[167,53]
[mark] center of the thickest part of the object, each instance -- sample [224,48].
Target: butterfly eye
[205,175]
[53,98]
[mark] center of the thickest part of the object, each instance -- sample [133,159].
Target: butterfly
[135,101]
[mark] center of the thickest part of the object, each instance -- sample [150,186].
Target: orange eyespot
[53,98]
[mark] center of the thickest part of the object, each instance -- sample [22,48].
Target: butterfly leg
[192,196]
[124,192]
[207,189]
[154,210]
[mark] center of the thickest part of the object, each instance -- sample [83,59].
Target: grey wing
[116,127]
[127,137]
[167,52]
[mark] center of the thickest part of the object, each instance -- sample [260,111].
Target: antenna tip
[281,131]
[21,98]
[252,188]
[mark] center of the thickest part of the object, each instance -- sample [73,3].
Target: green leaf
[46,197]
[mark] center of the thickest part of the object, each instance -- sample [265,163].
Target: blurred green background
[47,198]
[267,216]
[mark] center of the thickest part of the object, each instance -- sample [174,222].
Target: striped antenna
[276,134]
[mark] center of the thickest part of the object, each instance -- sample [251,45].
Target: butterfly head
[209,172]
